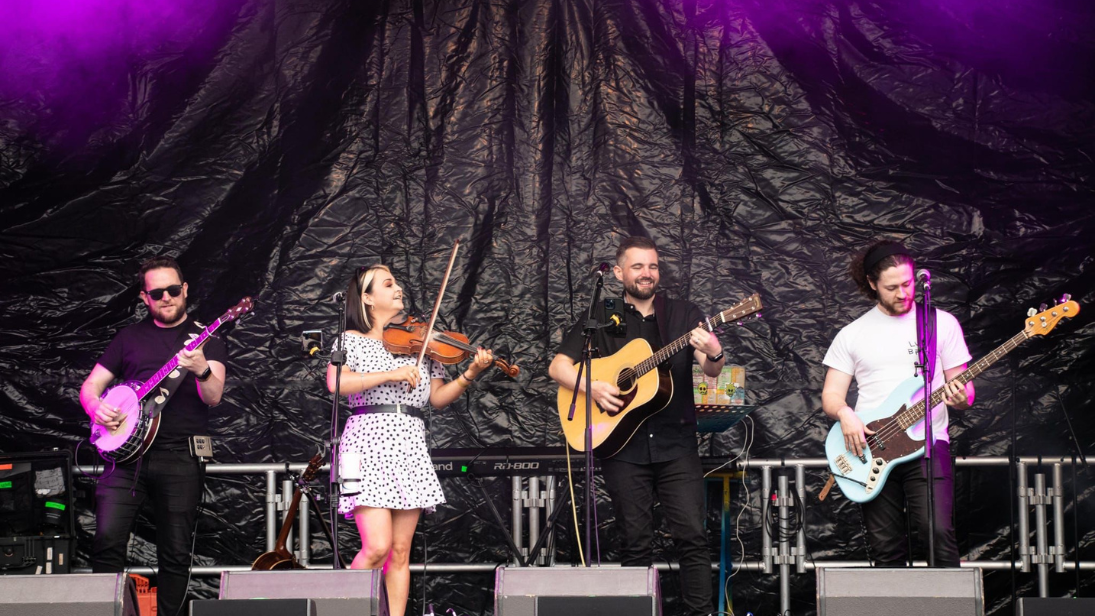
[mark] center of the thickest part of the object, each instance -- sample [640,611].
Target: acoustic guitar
[645,386]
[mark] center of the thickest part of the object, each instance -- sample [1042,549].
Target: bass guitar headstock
[1041,323]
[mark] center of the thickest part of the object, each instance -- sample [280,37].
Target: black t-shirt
[140,350]
[670,433]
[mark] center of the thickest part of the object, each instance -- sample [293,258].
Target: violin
[405,338]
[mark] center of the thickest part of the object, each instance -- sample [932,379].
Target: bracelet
[464,385]
[465,375]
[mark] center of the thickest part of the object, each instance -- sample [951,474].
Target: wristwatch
[716,358]
[204,376]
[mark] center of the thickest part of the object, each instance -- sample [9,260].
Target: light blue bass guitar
[861,477]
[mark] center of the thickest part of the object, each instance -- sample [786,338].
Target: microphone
[923,276]
[600,269]
[338,297]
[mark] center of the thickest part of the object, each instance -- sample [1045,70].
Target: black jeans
[885,519]
[172,480]
[679,488]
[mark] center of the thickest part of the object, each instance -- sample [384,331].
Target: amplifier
[75,594]
[341,592]
[35,555]
[882,592]
[36,495]
[577,591]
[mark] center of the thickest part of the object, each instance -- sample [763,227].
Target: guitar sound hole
[625,383]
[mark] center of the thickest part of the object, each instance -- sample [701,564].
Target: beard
[161,313]
[897,308]
[636,292]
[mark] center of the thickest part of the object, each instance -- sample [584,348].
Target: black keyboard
[506,461]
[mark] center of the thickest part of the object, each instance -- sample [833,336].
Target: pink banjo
[139,404]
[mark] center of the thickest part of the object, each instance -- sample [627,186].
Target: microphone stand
[338,358]
[585,369]
[927,369]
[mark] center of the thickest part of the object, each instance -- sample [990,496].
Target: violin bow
[437,305]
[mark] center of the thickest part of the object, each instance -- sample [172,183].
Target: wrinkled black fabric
[284,143]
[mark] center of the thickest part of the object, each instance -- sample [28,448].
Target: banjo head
[124,398]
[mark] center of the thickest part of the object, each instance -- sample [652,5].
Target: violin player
[386,393]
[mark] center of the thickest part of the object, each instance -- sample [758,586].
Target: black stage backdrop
[275,146]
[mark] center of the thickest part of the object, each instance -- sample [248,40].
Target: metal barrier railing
[529,503]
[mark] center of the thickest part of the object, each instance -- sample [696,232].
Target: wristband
[204,376]
[716,358]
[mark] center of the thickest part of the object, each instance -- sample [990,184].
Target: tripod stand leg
[515,551]
[326,529]
[547,531]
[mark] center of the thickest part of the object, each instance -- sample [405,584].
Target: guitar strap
[663,319]
[166,388]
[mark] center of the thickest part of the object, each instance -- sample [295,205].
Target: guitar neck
[671,349]
[290,517]
[170,366]
[916,412]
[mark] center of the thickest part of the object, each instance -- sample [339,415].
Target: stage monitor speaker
[342,592]
[1056,606]
[904,592]
[577,591]
[71,594]
[254,607]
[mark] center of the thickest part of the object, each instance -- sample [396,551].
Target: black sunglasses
[157,294]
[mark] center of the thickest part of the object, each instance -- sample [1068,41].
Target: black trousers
[172,481]
[678,486]
[908,484]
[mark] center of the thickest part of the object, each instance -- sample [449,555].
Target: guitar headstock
[748,306]
[238,310]
[313,466]
[1041,323]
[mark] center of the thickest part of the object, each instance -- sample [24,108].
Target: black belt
[402,409]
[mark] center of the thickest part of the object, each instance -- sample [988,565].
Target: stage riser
[575,591]
[344,592]
[899,592]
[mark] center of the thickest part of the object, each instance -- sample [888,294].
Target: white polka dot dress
[396,466]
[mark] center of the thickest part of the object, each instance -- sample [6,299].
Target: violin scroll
[511,370]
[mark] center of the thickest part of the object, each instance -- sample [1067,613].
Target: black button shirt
[670,433]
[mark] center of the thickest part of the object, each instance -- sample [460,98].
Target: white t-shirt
[880,351]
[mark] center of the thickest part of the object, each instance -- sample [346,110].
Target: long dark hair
[358,315]
[867,266]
